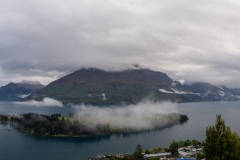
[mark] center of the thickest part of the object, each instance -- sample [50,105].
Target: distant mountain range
[17,91]
[98,87]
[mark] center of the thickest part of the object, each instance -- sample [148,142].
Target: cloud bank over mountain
[189,40]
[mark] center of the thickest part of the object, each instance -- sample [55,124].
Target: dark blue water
[15,145]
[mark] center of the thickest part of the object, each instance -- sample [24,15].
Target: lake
[15,145]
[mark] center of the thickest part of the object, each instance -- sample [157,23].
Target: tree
[173,147]
[195,142]
[221,143]
[199,156]
[187,143]
[138,152]
[180,143]
[147,152]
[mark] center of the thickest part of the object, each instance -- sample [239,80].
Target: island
[72,126]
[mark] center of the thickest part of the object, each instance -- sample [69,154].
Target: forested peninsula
[71,126]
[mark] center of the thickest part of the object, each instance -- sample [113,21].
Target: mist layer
[46,102]
[143,116]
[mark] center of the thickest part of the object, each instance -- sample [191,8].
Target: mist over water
[46,102]
[145,115]
[141,116]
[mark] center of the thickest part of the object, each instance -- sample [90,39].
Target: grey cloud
[47,39]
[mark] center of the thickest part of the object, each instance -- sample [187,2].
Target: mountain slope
[16,91]
[97,87]
[209,92]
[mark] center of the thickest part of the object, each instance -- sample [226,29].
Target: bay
[15,145]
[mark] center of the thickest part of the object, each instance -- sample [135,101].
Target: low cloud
[143,116]
[45,40]
[46,102]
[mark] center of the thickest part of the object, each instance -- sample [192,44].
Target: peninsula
[71,126]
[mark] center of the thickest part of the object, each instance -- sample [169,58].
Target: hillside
[17,91]
[98,87]
[209,92]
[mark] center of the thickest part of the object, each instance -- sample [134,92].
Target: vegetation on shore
[140,154]
[220,144]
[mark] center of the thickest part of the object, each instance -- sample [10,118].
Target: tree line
[54,124]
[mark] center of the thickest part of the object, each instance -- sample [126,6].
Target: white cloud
[182,81]
[180,74]
[46,102]
[144,115]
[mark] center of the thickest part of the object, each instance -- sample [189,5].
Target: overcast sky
[187,39]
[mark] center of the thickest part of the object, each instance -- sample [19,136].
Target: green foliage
[173,147]
[199,156]
[195,142]
[167,149]
[43,131]
[147,152]
[180,143]
[154,150]
[157,149]
[138,152]
[4,118]
[187,143]
[221,143]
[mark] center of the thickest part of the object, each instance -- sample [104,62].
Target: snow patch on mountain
[174,91]
[23,95]
[236,96]
[221,93]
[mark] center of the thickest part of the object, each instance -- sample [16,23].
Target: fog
[46,102]
[142,116]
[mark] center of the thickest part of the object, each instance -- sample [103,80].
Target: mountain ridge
[94,86]
[98,87]
[17,91]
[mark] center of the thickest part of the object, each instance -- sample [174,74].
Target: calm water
[15,145]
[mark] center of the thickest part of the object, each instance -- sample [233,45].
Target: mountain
[98,87]
[209,92]
[17,91]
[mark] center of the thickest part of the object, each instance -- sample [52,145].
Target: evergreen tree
[138,152]
[173,147]
[221,143]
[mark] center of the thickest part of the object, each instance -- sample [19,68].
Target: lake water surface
[15,145]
